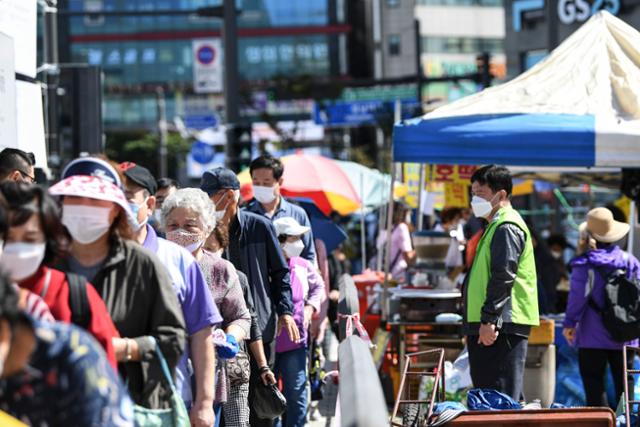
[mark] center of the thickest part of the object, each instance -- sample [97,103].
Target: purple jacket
[590,331]
[307,288]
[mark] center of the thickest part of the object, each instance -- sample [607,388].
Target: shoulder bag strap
[163,364]
[79,300]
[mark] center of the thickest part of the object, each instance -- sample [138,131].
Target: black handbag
[268,403]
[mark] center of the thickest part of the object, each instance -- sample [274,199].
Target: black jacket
[140,298]
[254,250]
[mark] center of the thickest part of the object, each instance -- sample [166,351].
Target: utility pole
[231,88]
[164,134]
[52,79]
[416,26]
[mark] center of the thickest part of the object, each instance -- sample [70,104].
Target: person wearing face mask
[198,307]
[55,374]
[308,295]
[131,281]
[188,218]
[267,178]
[36,238]
[501,301]
[254,250]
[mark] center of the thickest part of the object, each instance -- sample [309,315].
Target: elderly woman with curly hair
[188,216]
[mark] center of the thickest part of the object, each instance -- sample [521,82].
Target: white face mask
[264,194]
[481,208]
[86,224]
[293,249]
[21,260]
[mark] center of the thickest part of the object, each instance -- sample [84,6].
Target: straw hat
[602,227]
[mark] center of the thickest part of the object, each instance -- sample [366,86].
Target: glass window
[461,45]
[393,3]
[394,44]
[139,62]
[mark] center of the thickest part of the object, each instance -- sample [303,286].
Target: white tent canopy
[579,107]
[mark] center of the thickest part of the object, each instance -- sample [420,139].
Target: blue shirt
[68,382]
[288,209]
[254,249]
[197,303]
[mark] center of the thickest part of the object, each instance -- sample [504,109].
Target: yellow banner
[450,173]
[456,195]
[412,181]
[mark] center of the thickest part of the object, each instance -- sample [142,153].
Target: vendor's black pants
[593,369]
[499,366]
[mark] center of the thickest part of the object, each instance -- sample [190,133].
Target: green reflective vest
[524,294]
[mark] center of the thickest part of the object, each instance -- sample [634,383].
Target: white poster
[207,65]
[31,121]
[18,19]
[8,131]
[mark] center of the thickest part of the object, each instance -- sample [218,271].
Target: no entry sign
[207,65]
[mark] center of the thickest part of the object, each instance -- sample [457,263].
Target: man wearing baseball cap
[198,306]
[255,251]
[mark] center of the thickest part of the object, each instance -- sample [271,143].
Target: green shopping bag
[176,416]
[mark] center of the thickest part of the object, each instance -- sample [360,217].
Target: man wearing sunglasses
[17,165]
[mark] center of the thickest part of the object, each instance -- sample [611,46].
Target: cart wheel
[411,415]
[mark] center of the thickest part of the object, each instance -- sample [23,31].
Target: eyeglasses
[32,179]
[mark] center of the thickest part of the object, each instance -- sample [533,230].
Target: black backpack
[78,299]
[621,311]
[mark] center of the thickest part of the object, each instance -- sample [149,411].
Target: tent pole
[420,221]
[387,252]
[363,234]
[632,223]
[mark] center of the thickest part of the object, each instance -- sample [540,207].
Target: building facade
[289,39]
[452,34]
[535,28]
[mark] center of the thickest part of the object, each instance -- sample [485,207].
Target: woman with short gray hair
[188,216]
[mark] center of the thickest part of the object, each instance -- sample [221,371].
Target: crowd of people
[109,277]
[121,293]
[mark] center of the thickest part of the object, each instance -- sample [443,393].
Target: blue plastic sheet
[482,399]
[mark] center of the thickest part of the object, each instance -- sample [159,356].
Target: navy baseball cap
[92,166]
[219,179]
[140,176]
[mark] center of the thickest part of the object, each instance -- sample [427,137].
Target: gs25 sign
[570,11]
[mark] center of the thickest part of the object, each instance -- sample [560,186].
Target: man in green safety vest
[500,295]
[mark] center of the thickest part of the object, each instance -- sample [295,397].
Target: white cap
[290,227]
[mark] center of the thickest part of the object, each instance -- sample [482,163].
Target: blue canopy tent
[580,107]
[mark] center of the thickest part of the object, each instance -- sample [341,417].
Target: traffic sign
[202,153]
[207,65]
[358,113]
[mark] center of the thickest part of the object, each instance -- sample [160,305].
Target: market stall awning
[579,107]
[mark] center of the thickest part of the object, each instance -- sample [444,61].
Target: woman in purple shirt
[583,325]
[308,292]
[189,218]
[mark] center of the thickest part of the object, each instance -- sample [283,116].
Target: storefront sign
[207,65]
[569,11]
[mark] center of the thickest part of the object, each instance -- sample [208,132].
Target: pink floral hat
[91,187]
